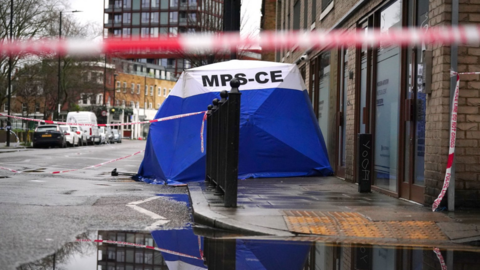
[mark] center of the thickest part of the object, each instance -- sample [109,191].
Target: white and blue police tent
[279,135]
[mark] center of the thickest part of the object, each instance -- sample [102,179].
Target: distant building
[135,19]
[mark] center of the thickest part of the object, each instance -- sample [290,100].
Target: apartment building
[401,96]
[135,19]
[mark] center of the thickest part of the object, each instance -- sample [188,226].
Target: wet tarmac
[188,246]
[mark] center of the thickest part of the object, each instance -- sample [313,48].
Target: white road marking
[144,201]
[145,211]
[38,181]
[26,160]
[160,220]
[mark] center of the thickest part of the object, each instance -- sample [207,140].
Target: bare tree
[31,18]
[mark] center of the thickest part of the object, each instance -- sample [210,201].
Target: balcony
[192,6]
[109,9]
[109,24]
[183,21]
[118,24]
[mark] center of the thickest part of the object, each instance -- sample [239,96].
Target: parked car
[103,131]
[91,132]
[116,136]
[82,137]
[70,136]
[49,135]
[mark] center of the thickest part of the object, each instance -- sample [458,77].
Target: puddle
[35,170]
[183,249]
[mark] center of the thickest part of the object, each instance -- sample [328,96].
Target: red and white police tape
[104,125]
[440,258]
[267,40]
[453,135]
[101,164]
[140,246]
[201,132]
[7,169]
[89,167]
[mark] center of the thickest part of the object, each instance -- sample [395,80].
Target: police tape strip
[140,246]
[453,135]
[105,125]
[440,258]
[101,164]
[201,132]
[7,169]
[267,40]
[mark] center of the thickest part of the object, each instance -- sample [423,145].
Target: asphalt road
[40,212]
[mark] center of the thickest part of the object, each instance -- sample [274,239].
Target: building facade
[134,19]
[401,96]
[140,90]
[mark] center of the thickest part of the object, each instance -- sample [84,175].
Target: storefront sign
[364,166]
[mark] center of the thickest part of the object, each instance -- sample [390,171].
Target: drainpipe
[453,82]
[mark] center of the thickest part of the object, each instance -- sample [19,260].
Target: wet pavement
[331,209]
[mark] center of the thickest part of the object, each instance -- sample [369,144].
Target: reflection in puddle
[183,250]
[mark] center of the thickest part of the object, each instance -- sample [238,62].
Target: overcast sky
[92,11]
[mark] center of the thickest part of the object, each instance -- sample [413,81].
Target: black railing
[223,128]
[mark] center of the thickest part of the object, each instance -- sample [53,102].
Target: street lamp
[10,64]
[59,61]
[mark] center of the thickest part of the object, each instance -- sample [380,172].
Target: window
[127,18]
[117,32]
[145,17]
[163,17]
[127,32]
[24,107]
[159,91]
[124,87]
[173,3]
[37,107]
[164,92]
[117,19]
[132,88]
[158,105]
[150,105]
[155,17]
[155,3]
[305,14]
[296,15]
[127,4]
[123,102]
[145,3]
[132,104]
[169,90]
[151,91]
[154,32]
[325,4]
[145,32]
[117,102]
[138,104]
[99,99]
[118,3]
[173,17]
[146,90]
[117,87]
[138,89]
[314,11]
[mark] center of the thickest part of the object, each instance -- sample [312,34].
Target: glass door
[413,185]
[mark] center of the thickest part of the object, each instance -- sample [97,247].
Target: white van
[91,132]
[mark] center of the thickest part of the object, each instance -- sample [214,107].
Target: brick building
[140,90]
[387,92]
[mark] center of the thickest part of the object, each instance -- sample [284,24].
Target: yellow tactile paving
[355,225]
